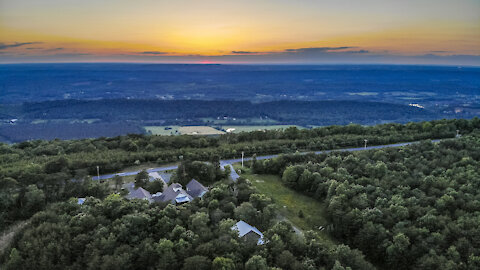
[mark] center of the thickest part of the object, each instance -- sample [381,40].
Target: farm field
[233,121]
[199,130]
[162,130]
[239,129]
[182,130]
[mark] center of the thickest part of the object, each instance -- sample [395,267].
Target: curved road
[234,175]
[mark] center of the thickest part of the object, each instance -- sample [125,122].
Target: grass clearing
[162,130]
[239,129]
[182,130]
[241,121]
[199,130]
[290,202]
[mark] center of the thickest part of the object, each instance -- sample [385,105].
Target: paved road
[234,175]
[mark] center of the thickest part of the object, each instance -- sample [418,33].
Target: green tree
[221,263]
[141,179]
[256,262]
[118,182]
[196,263]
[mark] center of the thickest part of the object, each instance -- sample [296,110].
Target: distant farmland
[182,130]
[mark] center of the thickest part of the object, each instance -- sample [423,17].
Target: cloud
[319,49]
[154,53]
[53,49]
[4,46]
[440,51]
[243,52]
[359,51]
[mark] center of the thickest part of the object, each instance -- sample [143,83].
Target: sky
[444,32]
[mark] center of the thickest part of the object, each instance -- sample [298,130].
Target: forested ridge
[297,112]
[48,166]
[118,234]
[417,207]
[413,207]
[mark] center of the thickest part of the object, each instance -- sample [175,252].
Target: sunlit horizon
[248,32]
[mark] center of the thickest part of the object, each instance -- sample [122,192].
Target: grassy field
[239,129]
[233,121]
[199,130]
[182,130]
[162,130]
[290,202]
[206,130]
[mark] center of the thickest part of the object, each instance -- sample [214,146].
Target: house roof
[195,189]
[181,198]
[80,201]
[166,177]
[130,186]
[171,194]
[243,228]
[139,193]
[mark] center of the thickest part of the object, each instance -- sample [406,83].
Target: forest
[415,206]
[118,234]
[77,119]
[48,166]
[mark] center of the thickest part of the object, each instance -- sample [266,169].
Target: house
[246,231]
[166,177]
[174,194]
[153,176]
[130,186]
[80,201]
[195,189]
[140,193]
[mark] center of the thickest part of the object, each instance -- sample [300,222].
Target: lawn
[290,202]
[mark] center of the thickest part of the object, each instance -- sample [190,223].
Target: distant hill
[288,112]
[68,119]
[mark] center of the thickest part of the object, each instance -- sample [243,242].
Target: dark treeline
[49,131]
[50,165]
[415,207]
[118,234]
[290,112]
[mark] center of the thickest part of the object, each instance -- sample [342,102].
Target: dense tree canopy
[115,233]
[413,207]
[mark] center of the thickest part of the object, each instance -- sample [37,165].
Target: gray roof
[243,228]
[130,186]
[166,177]
[139,193]
[195,189]
[172,193]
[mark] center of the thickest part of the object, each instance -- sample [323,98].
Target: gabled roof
[130,186]
[243,228]
[166,177]
[171,193]
[139,193]
[195,189]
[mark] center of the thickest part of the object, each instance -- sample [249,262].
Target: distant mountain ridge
[287,111]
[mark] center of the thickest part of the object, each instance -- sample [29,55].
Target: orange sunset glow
[239,31]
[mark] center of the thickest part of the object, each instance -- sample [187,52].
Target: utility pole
[98,172]
[242,159]
[366,143]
